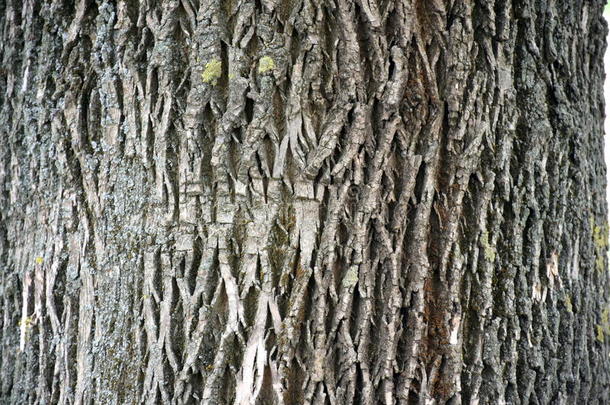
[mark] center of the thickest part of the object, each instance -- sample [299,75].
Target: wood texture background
[303,201]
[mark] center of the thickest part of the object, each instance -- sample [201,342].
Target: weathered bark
[303,201]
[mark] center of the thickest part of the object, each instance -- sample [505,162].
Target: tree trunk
[303,201]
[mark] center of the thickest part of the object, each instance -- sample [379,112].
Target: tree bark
[303,201]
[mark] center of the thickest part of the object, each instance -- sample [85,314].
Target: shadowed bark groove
[303,201]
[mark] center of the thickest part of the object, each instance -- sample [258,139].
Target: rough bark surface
[303,201]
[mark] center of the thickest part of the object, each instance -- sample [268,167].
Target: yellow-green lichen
[600,236]
[39,260]
[265,64]
[212,72]
[603,328]
[488,251]
[351,277]
[600,333]
[26,322]
[568,303]
[600,241]
[599,263]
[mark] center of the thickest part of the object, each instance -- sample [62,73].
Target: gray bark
[303,201]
